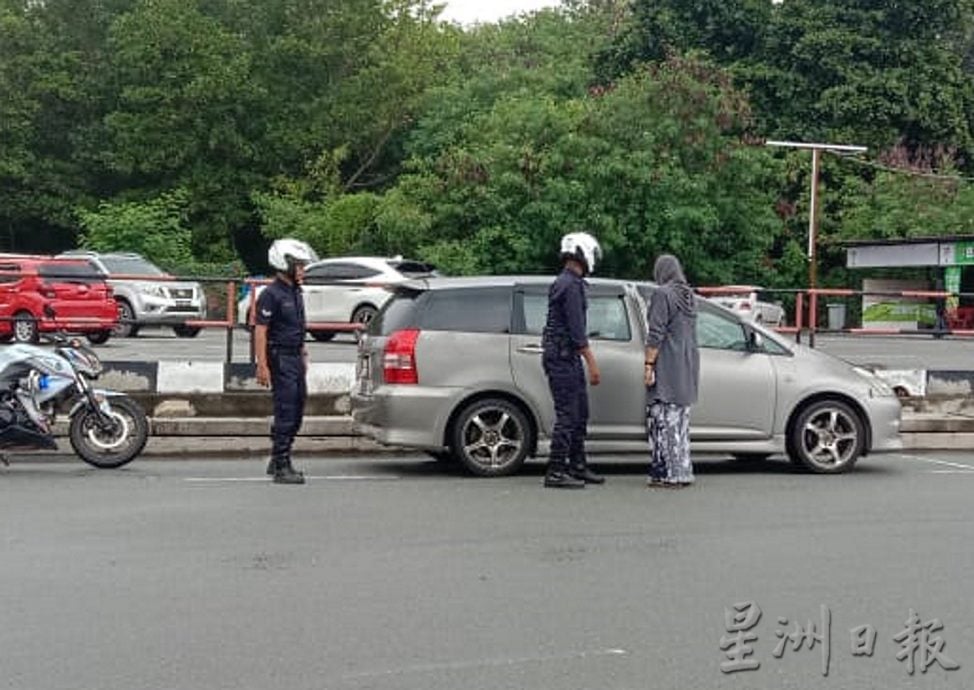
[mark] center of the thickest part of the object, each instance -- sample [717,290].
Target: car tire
[98,337]
[25,328]
[826,437]
[491,437]
[126,328]
[364,314]
[322,336]
[186,331]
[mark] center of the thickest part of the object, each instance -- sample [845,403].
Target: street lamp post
[813,214]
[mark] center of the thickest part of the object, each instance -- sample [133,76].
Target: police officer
[282,359]
[565,344]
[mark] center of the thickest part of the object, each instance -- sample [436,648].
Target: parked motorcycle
[107,429]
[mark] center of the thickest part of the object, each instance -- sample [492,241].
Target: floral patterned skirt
[668,430]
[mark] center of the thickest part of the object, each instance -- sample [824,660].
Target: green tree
[185,116]
[655,164]
[157,229]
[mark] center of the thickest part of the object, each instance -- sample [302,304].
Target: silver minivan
[452,366]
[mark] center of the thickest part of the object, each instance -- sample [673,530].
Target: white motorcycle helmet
[582,247]
[287,253]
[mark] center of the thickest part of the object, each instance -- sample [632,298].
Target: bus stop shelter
[949,259]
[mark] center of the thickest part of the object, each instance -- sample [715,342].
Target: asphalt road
[390,574]
[907,352]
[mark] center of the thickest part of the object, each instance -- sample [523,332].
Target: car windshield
[399,312]
[70,272]
[130,266]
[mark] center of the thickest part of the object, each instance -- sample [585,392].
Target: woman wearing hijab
[671,374]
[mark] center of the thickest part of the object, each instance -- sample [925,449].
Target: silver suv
[452,366]
[145,294]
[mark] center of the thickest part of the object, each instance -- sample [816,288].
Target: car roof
[41,258]
[371,261]
[81,253]
[464,282]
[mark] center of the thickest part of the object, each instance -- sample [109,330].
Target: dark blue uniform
[565,334]
[280,307]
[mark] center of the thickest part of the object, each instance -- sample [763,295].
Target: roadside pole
[813,217]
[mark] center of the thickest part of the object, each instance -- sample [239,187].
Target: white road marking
[484,663]
[329,477]
[955,467]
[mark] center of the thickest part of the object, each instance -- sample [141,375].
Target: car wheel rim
[125,318]
[492,437]
[110,438]
[830,437]
[24,330]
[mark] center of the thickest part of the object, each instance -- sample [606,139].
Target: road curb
[336,434]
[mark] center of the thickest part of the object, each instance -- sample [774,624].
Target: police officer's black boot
[584,472]
[284,472]
[558,477]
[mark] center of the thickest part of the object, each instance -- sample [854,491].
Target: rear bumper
[405,416]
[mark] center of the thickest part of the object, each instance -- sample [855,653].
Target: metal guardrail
[807,305]
[229,323]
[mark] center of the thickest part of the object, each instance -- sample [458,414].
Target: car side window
[608,319]
[607,316]
[339,271]
[356,272]
[533,313]
[718,332]
[9,273]
[486,310]
[319,274]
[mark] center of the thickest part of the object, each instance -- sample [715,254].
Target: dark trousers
[566,379]
[290,390]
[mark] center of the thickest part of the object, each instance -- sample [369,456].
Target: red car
[41,294]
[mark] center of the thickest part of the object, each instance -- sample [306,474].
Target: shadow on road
[634,467]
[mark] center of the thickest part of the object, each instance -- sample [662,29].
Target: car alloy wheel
[25,328]
[827,437]
[126,326]
[364,314]
[491,437]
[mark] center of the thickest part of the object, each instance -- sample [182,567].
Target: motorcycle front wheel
[112,444]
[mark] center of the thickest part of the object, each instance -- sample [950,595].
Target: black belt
[286,350]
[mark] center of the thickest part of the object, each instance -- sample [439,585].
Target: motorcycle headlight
[91,366]
[96,367]
[85,361]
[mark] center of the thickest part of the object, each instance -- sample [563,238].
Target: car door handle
[531,349]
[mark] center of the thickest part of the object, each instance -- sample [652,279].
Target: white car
[743,299]
[350,289]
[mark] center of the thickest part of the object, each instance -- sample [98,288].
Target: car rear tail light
[399,357]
